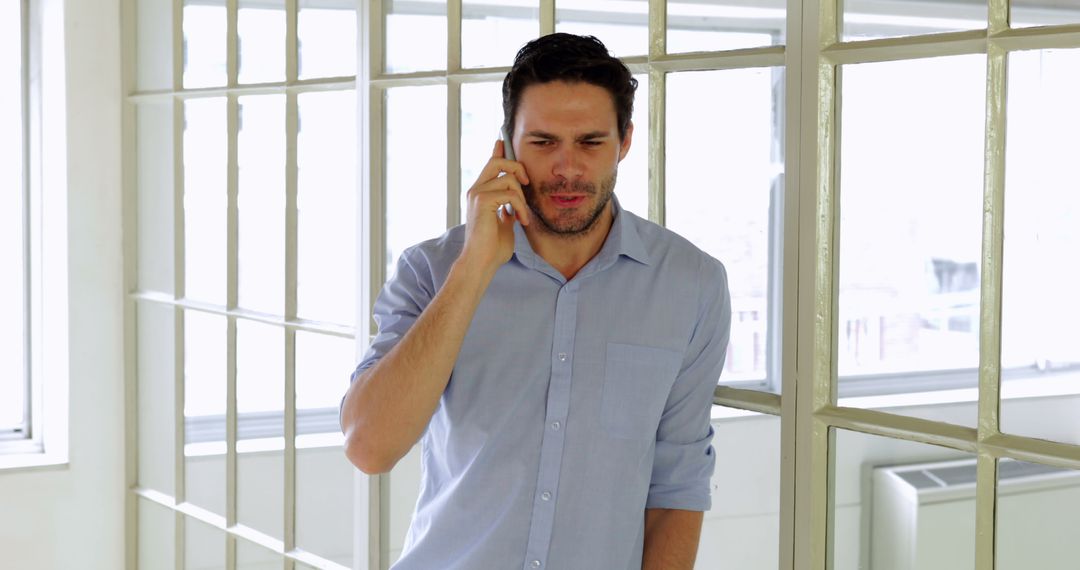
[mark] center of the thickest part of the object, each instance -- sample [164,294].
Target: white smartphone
[508,147]
[508,152]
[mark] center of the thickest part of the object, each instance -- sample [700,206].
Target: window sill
[28,456]
[1043,386]
[267,445]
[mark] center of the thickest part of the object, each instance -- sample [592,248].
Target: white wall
[72,516]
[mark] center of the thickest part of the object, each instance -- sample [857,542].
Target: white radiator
[923,516]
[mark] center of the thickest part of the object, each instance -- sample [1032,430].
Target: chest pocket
[637,380]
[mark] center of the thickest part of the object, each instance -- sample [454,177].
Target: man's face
[567,136]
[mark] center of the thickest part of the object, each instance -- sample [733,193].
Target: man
[556,360]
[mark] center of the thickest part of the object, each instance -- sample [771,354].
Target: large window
[16,224]
[245,138]
[891,185]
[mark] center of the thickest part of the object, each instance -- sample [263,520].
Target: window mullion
[453,152]
[178,46]
[371,251]
[816,295]
[547,17]
[27,258]
[657,29]
[990,296]
[657,140]
[793,188]
[657,109]
[453,114]
[231,255]
[292,128]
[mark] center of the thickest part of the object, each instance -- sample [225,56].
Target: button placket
[551,445]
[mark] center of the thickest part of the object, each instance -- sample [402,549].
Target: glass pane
[481,119]
[730,218]
[1030,492]
[326,36]
[415,205]
[156,376]
[326,204]
[324,503]
[261,204]
[867,19]
[204,409]
[157,536]
[900,504]
[204,546]
[323,366]
[204,43]
[910,223]
[406,23]
[716,25]
[633,183]
[12,244]
[250,556]
[1027,13]
[622,26]
[155,202]
[743,527]
[260,405]
[260,25]
[491,34]
[1040,344]
[205,160]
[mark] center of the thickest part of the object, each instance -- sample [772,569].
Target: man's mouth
[567,200]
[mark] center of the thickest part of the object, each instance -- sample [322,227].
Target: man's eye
[542,143]
[591,143]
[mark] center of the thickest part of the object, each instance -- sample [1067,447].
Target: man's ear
[624,145]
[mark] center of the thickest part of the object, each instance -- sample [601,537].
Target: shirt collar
[622,239]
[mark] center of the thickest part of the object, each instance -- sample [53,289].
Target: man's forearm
[671,539]
[389,405]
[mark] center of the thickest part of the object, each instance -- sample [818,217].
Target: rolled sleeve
[396,308]
[685,459]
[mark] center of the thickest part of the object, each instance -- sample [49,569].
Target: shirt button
[562,357]
[545,496]
[534,564]
[555,426]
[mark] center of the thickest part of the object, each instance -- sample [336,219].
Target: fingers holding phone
[494,202]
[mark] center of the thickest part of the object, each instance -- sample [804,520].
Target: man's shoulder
[437,250]
[669,247]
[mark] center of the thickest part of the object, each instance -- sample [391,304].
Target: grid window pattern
[245,159]
[980,51]
[781,181]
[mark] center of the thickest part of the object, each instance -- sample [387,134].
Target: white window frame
[25,431]
[43,439]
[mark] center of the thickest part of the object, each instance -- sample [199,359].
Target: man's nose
[568,163]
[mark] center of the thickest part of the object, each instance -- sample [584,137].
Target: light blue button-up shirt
[573,405]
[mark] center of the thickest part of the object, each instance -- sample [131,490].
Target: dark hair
[569,58]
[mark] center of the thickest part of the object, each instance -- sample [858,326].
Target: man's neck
[568,254]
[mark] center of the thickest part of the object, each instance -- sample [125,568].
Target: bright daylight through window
[14,216]
[325,207]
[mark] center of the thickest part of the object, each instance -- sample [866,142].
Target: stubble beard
[569,223]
